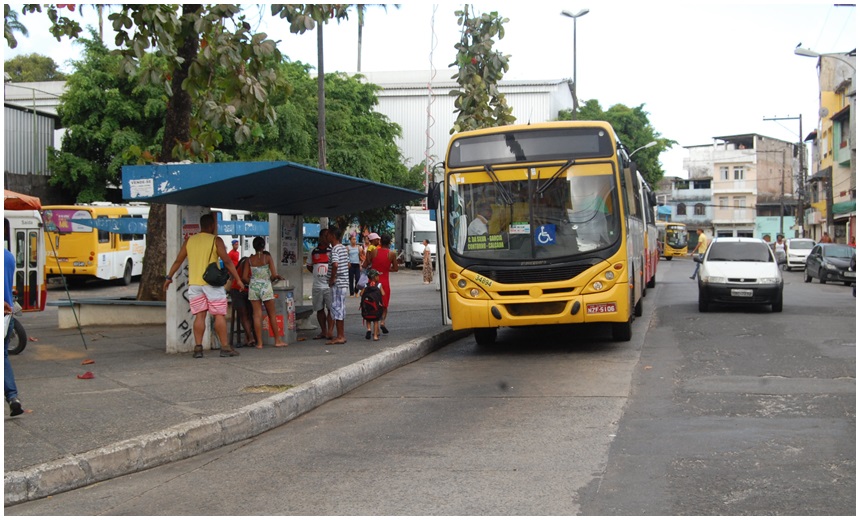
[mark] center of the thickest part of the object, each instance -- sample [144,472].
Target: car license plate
[850,274]
[600,308]
[746,293]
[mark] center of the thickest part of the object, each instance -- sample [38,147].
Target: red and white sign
[601,308]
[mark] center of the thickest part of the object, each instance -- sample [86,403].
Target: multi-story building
[832,190]
[751,181]
[687,201]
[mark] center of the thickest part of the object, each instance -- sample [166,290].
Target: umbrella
[12,200]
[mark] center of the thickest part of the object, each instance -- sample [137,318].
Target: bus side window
[104,236]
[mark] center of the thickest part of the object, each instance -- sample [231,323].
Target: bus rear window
[530,146]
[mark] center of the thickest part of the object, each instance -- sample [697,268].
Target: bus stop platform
[143,407]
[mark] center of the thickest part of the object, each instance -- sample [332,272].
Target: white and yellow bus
[25,238]
[80,245]
[539,224]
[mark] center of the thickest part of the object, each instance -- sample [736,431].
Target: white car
[796,251]
[739,270]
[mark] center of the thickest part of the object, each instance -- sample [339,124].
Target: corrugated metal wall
[407,106]
[24,153]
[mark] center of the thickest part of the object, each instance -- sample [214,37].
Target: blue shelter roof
[278,187]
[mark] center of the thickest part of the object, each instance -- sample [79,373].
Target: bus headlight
[461,283]
[474,293]
[610,275]
[597,286]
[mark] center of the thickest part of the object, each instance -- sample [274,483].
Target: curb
[201,435]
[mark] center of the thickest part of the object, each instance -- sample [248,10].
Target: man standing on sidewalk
[201,250]
[318,265]
[9,388]
[339,283]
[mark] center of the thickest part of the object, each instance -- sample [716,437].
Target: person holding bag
[202,250]
[261,271]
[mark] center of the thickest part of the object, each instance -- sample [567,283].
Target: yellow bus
[25,238]
[81,247]
[673,237]
[539,225]
[652,252]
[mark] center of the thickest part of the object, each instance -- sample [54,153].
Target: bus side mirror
[652,198]
[433,195]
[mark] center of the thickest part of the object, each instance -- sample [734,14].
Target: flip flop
[320,336]
[335,342]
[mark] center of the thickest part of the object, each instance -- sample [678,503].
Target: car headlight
[768,280]
[829,266]
[714,279]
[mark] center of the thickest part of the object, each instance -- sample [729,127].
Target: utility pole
[801,173]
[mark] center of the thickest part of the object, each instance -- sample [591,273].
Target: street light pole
[574,16]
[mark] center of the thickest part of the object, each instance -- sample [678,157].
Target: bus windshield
[676,236]
[555,214]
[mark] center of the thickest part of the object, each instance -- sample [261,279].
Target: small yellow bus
[78,250]
[674,237]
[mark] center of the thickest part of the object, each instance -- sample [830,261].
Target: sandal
[252,344]
[198,351]
[228,353]
[384,330]
[320,336]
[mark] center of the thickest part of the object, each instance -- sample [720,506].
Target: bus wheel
[622,331]
[18,338]
[652,282]
[126,275]
[485,336]
[637,309]
[668,258]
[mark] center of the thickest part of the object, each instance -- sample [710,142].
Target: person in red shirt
[234,253]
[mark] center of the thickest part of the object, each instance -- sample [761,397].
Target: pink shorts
[204,298]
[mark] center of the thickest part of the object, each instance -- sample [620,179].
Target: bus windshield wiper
[542,188]
[503,191]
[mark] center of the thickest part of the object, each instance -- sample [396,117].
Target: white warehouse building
[405,96]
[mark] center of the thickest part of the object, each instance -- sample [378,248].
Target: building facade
[832,188]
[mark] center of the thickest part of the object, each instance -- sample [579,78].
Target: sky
[701,69]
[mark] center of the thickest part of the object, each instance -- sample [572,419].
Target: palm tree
[12,25]
[361,8]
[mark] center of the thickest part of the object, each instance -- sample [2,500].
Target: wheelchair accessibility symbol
[545,235]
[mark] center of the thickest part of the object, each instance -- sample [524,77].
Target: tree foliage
[478,103]
[32,67]
[106,114]
[633,129]
[11,25]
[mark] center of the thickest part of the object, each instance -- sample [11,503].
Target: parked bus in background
[80,252]
[539,225]
[652,252]
[246,247]
[673,237]
[24,236]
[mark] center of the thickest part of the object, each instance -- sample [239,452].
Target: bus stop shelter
[287,191]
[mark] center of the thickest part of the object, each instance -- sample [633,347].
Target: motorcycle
[17,334]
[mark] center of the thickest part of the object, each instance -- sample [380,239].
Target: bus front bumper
[611,306]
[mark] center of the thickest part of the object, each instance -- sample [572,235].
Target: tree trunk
[177,129]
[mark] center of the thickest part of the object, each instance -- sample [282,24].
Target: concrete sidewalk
[144,407]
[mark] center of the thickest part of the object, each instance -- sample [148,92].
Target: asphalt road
[732,412]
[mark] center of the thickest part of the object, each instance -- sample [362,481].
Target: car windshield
[837,251]
[801,243]
[738,252]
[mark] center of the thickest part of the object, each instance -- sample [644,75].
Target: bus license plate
[79,264]
[746,293]
[600,308]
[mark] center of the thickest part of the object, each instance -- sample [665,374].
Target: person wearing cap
[234,253]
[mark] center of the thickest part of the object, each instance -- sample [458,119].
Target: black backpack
[371,303]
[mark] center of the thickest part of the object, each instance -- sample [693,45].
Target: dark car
[829,263]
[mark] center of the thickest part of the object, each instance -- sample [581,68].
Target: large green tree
[634,129]
[32,67]
[106,114]
[478,102]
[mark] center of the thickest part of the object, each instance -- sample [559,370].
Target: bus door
[28,246]
[106,251]
[436,205]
